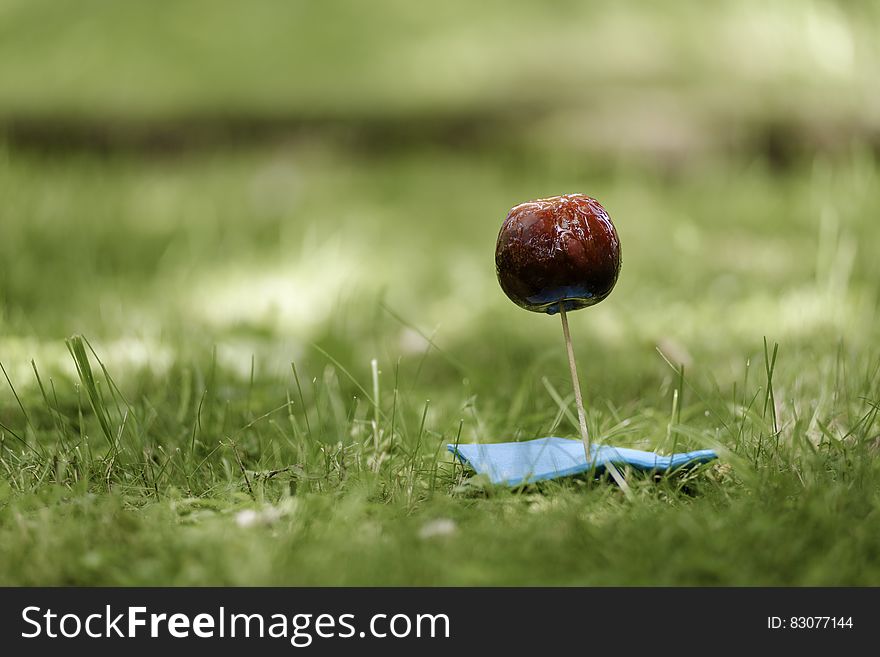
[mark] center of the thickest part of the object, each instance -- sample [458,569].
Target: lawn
[241,317]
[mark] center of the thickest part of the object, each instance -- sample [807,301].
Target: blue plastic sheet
[513,464]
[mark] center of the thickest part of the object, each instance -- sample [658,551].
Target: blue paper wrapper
[512,464]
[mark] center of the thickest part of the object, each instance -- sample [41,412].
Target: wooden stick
[582,415]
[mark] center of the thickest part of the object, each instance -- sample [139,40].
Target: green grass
[275,227]
[200,280]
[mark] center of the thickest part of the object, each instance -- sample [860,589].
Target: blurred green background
[213,185]
[260,166]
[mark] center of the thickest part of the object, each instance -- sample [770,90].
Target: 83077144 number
[809,622]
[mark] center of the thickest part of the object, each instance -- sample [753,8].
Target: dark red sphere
[562,249]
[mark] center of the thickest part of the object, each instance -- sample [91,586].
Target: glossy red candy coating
[562,249]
